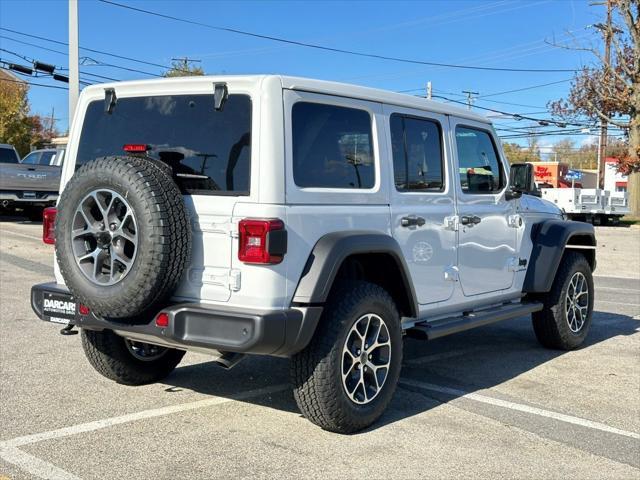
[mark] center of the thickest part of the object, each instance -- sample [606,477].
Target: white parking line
[616,289]
[34,465]
[11,232]
[619,303]
[519,407]
[9,451]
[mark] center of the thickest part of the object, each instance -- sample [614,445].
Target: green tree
[17,126]
[517,154]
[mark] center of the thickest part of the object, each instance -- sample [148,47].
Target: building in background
[614,181]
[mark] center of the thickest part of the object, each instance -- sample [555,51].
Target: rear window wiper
[110,100]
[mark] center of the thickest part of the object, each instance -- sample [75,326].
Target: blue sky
[511,34]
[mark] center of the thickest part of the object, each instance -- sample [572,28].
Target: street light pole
[74,74]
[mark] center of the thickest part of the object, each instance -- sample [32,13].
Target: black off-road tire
[164,236]
[550,324]
[109,355]
[316,371]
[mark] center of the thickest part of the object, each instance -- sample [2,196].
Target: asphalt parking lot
[489,403]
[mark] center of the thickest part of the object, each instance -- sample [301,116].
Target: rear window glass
[8,155]
[31,159]
[209,150]
[332,146]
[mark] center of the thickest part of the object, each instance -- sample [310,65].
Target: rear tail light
[262,241]
[83,310]
[48,224]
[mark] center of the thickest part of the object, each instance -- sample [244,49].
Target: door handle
[470,220]
[412,221]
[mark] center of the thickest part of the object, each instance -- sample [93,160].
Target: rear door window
[209,150]
[417,154]
[479,164]
[46,158]
[332,147]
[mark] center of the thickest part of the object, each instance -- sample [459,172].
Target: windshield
[8,155]
[209,150]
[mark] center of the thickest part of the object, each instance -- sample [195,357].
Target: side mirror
[521,180]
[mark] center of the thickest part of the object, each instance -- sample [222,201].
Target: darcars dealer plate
[58,307]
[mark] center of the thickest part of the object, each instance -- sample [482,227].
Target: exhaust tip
[228,360]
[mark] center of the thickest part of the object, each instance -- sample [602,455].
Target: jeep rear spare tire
[123,237]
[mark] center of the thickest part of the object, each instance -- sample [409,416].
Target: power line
[330,49]
[100,52]
[526,88]
[479,98]
[482,97]
[31,83]
[31,44]
[32,60]
[518,116]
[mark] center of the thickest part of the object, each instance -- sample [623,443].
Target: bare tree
[609,90]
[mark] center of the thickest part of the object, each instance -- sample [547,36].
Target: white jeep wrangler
[299,218]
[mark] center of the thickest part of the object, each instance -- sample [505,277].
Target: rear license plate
[58,307]
[28,194]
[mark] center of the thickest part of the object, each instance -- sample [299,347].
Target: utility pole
[429,90]
[74,74]
[602,141]
[469,98]
[52,122]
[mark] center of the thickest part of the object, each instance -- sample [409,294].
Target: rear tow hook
[68,330]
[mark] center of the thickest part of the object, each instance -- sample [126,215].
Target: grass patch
[630,220]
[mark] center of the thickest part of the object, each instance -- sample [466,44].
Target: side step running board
[448,326]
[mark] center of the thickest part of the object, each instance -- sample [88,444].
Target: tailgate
[35,178]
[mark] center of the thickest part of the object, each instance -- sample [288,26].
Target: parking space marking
[132,417]
[618,303]
[615,289]
[33,237]
[520,407]
[10,452]
[34,465]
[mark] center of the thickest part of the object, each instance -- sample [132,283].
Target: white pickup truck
[592,205]
[30,184]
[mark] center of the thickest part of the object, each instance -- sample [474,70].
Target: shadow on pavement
[477,359]
[16,217]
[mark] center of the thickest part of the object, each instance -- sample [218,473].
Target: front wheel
[565,320]
[345,378]
[126,361]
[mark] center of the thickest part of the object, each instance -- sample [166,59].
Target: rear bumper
[21,198]
[206,328]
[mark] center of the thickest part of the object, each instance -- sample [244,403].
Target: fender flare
[329,253]
[550,239]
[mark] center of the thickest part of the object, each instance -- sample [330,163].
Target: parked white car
[299,218]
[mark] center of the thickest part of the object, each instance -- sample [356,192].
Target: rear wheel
[565,320]
[346,377]
[127,361]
